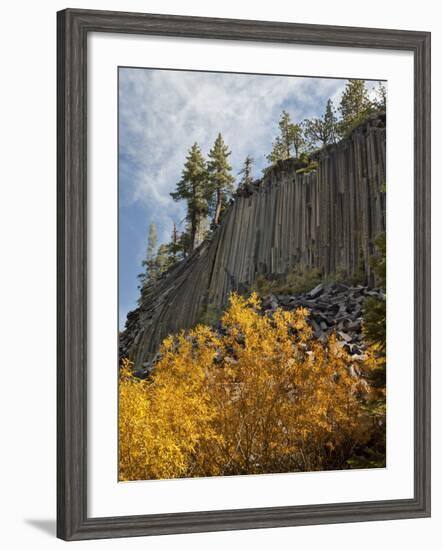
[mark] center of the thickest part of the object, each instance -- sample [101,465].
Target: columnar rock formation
[325,219]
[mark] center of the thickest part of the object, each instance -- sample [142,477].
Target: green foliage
[300,280]
[375,309]
[373,453]
[369,458]
[312,165]
[355,106]
[380,101]
[378,260]
[375,316]
[374,331]
[175,250]
[295,282]
[210,315]
[291,137]
[359,277]
[193,188]
[183,243]
[221,181]
[322,131]
[164,259]
[285,128]
[279,152]
[297,138]
[246,181]
[161,259]
[150,272]
[175,247]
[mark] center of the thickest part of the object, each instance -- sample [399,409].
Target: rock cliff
[325,219]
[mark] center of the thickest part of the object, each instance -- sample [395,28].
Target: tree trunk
[218,208]
[193,225]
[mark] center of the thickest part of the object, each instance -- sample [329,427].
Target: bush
[297,281]
[375,321]
[378,260]
[375,309]
[262,395]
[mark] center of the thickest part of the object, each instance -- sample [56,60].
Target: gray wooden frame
[73,27]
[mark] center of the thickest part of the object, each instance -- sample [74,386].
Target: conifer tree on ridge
[193,188]
[220,179]
[149,263]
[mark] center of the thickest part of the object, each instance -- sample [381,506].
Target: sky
[163,112]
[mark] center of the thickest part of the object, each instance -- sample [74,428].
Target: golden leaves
[260,396]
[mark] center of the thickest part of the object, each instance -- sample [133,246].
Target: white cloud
[163,112]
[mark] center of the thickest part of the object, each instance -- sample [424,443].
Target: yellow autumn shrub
[261,395]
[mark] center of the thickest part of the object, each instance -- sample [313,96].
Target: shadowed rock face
[325,219]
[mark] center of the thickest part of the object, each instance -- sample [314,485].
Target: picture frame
[73,27]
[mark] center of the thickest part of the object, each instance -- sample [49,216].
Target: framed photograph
[243,274]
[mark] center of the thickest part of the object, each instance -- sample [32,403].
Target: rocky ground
[333,307]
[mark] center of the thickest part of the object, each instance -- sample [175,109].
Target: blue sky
[163,112]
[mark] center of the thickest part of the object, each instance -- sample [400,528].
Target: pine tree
[163,259]
[355,105]
[322,131]
[246,181]
[170,253]
[330,123]
[278,151]
[285,127]
[184,242]
[150,269]
[192,188]
[175,248]
[291,136]
[220,179]
[374,307]
[297,139]
[380,101]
